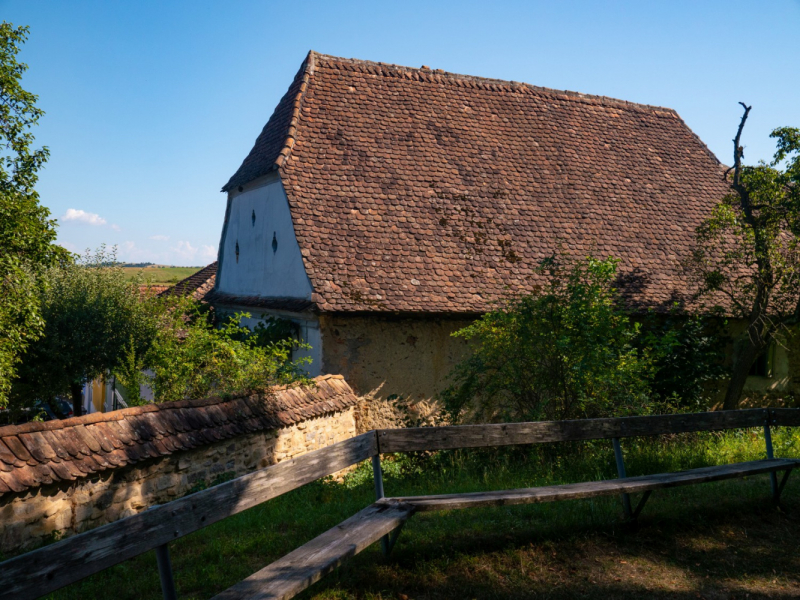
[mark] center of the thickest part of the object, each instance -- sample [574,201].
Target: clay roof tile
[527,167]
[19,450]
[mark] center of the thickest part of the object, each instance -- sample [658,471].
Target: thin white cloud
[160,238]
[69,246]
[208,252]
[185,250]
[115,227]
[82,216]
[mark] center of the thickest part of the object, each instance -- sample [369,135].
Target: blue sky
[151,106]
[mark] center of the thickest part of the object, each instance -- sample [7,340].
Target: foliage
[93,315]
[192,357]
[691,357]
[565,351]
[274,330]
[747,257]
[100,323]
[27,234]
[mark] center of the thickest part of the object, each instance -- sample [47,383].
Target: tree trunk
[77,399]
[742,363]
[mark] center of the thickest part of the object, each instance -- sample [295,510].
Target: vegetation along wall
[58,478]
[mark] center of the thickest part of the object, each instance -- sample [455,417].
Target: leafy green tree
[193,357]
[27,234]
[689,358]
[94,316]
[567,350]
[747,257]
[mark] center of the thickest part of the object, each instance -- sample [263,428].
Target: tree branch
[738,152]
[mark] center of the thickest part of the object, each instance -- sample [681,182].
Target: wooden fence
[49,568]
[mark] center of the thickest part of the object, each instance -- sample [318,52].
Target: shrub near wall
[63,477]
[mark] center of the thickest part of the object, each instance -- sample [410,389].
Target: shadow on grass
[729,542]
[717,540]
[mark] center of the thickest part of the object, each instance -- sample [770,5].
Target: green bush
[99,323]
[92,315]
[193,357]
[567,350]
[570,350]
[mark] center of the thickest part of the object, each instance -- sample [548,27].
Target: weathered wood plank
[296,571]
[610,487]
[508,434]
[787,417]
[51,567]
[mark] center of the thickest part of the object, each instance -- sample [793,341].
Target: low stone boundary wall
[62,477]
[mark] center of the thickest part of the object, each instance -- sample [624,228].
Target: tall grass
[215,558]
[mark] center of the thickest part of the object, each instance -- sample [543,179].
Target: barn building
[384,207]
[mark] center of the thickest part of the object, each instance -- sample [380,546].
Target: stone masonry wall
[29,518]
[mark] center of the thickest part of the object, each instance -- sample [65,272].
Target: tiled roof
[198,284]
[35,454]
[415,190]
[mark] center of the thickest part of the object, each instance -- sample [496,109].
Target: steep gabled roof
[414,190]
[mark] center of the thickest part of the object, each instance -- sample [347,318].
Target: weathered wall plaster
[385,359]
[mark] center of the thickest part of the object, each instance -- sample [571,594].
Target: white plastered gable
[259,253]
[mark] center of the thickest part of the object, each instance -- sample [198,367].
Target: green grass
[160,275]
[721,539]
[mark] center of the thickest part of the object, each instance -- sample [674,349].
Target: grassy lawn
[161,275]
[718,540]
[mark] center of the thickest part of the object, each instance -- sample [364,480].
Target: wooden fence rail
[509,434]
[51,567]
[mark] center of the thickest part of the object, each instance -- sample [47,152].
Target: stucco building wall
[783,386]
[386,360]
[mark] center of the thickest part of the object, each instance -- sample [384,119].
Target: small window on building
[762,367]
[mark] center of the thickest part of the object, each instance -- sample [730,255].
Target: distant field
[161,275]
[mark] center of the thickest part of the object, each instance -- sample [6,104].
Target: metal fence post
[165,573]
[377,476]
[773,476]
[626,499]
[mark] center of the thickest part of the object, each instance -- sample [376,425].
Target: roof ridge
[307,69]
[440,76]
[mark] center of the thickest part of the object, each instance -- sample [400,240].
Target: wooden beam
[785,417]
[610,487]
[296,571]
[476,436]
[41,571]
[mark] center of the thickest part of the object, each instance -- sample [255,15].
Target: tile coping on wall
[40,453]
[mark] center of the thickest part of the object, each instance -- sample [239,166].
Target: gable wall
[260,270]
